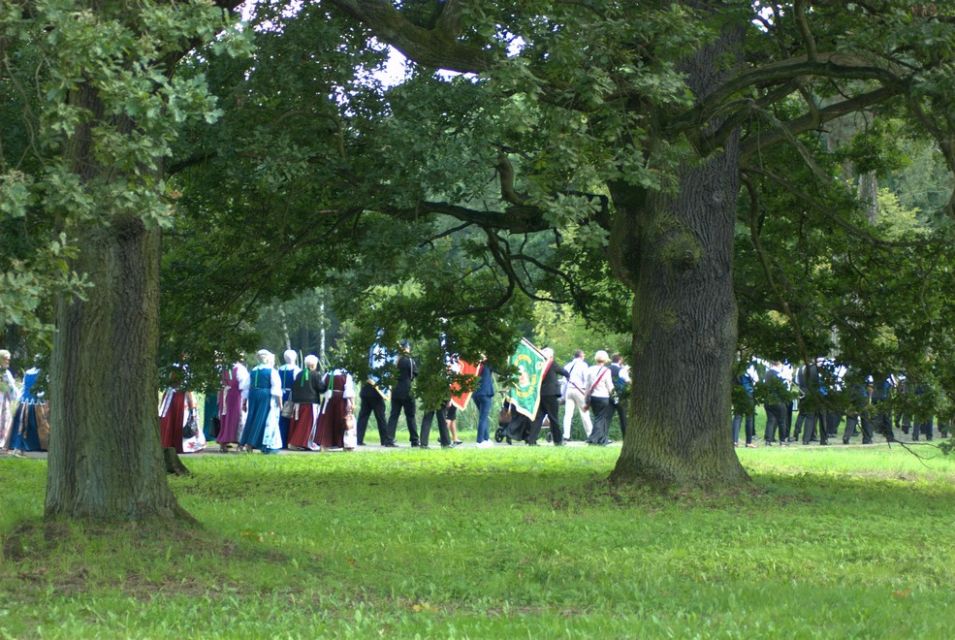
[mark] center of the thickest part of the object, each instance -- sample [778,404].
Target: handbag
[351,433]
[43,425]
[190,429]
[288,409]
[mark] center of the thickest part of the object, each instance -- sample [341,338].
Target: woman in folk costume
[177,408]
[8,396]
[287,374]
[306,395]
[339,403]
[233,394]
[25,435]
[264,404]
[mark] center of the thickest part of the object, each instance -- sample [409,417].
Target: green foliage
[520,541]
[565,331]
[871,296]
[88,87]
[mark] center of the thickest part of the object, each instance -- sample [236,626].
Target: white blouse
[599,381]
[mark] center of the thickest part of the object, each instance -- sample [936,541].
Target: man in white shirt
[574,391]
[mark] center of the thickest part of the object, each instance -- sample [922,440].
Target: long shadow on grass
[547,481]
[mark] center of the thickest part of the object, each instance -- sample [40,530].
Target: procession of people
[269,409]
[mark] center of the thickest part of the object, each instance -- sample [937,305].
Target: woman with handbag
[338,413]
[599,390]
[178,424]
[233,395]
[288,372]
[304,401]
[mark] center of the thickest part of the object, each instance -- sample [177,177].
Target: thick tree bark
[677,257]
[105,462]
[684,334]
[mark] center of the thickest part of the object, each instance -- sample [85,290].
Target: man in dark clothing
[401,397]
[859,413]
[483,398]
[881,392]
[372,403]
[924,401]
[441,415]
[776,397]
[373,398]
[549,402]
[620,377]
[812,405]
[744,405]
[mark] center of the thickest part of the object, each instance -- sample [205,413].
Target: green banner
[525,395]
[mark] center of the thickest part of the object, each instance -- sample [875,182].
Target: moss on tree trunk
[677,256]
[105,462]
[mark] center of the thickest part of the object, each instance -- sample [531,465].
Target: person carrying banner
[459,397]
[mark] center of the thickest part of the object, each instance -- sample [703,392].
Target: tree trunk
[869,195]
[677,257]
[105,461]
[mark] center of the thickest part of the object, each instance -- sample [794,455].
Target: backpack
[619,384]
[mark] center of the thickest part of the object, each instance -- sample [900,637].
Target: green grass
[509,542]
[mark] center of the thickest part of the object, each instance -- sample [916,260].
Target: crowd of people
[263,408]
[269,408]
[808,403]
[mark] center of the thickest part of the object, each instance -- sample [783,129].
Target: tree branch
[851,228]
[827,65]
[506,171]
[446,233]
[813,120]
[436,47]
[503,260]
[516,219]
[767,267]
[800,6]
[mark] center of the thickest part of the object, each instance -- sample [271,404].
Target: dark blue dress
[24,434]
[262,410]
[287,374]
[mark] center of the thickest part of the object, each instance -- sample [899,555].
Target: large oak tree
[665,107]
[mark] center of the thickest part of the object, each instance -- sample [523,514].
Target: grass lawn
[507,542]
